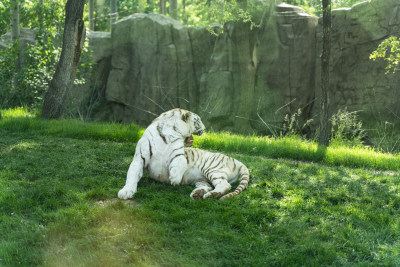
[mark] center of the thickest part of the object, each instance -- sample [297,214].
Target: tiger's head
[183,122]
[195,124]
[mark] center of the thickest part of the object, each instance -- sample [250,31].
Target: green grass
[313,212]
[291,147]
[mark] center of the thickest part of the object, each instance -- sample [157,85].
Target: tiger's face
[183,122]
[196,124]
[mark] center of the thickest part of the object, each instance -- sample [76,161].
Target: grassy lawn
[305,206]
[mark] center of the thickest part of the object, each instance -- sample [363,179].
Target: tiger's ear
[185,116]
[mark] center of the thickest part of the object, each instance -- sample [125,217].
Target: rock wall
[356,81]
[154,67]
[245,80]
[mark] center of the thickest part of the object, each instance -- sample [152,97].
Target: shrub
[346,128]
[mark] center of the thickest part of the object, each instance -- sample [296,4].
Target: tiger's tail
[244,181]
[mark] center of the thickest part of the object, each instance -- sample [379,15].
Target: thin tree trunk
[64,76]
[15,34]
[325,126]
[91,15]
[173,8]
[113,11]
[15,29]
[101,11]
[40,18]
[185,19]
[163,7]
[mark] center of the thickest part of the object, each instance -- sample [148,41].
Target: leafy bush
[292,125]
[347,128]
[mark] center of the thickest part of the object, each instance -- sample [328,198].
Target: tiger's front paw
[175,181]
[126,193]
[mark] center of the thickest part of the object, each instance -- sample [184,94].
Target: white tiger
[171,163]
[160,150]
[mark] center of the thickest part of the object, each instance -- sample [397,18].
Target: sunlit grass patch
[361,157]
[20,112]
[289,147]
[20,120]
[293,147]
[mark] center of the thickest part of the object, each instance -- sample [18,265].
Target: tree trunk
[185,19]
[91,15]
[64,76]
[15,33]
[163,7]
[15,29]
[40,19]
[113,11]
[173,8]
[325,125]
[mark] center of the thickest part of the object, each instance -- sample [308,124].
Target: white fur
[161,150]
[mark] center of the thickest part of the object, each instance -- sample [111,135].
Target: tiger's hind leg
[221,187]
[202,188]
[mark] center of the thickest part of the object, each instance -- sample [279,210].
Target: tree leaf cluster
[315,6]
[389,50]
[46,15]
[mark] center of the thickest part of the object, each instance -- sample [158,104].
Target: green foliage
[315,6]
[292,124]
[58,206]
[196,12]
[49,16]
[389,50]
[7,70]
[124,8]
[39,62]
[347,129]
[199,13]
[38,65]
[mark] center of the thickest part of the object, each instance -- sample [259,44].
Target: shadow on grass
[320,153]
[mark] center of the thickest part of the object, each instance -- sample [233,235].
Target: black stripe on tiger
[215,167]
[176,150]
[161,135]
[151,152]
[177,155]
[141,155]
